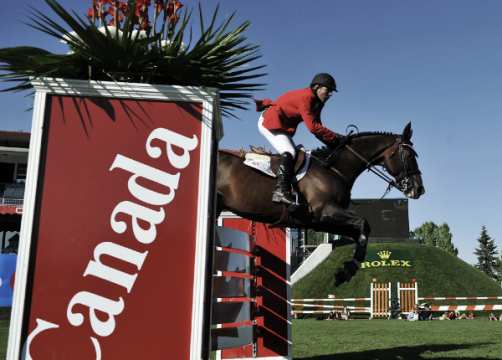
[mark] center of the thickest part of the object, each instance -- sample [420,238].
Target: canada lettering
[127,216]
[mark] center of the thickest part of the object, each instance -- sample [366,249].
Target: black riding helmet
[324,79]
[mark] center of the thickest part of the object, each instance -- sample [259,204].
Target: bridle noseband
[404,178]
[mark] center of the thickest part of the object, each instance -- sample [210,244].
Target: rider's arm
[313,122]
[263,104]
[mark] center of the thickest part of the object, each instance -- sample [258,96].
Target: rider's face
[323,93]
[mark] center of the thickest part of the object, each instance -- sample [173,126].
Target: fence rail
[377,304]
[9,201]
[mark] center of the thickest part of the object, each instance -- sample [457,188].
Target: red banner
[115,230]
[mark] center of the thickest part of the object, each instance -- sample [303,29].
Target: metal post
[416,293]
[372,292]
[4,234]
[389,300]
[399,295]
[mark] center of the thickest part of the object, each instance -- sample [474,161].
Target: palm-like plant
[132,49]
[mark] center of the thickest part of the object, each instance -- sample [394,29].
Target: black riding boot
[282,192]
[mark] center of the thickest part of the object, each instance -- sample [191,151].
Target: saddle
[268,163]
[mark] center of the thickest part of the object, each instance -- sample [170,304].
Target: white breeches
[281,142]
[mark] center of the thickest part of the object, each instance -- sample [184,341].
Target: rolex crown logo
[384,254]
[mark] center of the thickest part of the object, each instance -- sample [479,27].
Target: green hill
[436,272]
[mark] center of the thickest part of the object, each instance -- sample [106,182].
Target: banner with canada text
[119,230]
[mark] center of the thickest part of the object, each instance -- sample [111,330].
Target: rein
[401,179]
[391,183]
[382,175]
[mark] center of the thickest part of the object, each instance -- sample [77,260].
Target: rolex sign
[385,259]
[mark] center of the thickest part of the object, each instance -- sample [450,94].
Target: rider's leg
[284,145]
[282,192]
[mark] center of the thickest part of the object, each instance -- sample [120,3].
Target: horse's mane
[324,151]
[372,133]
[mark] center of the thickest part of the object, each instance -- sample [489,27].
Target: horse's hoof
[350,267]
[340,278]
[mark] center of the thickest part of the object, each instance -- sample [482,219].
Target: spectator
[469,316]
[395,310]
[424,312]
[413,315]
[332,315]
[444,316]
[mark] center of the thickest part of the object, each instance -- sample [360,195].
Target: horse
[325,190]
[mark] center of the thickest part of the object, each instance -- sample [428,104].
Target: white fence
[13,202]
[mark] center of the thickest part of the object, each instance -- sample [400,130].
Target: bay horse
[325,189]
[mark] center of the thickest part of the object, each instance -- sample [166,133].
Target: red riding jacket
[290,109]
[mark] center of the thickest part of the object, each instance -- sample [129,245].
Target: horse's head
[400,161]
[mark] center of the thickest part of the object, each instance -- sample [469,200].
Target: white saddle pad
[262,163]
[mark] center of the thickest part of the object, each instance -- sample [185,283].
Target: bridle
[402,181]
[404,178]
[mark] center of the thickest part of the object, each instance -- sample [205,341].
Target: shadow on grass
[404,353]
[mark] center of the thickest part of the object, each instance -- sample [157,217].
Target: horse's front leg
[342,222]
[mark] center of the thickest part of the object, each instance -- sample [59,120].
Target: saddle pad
[263,163]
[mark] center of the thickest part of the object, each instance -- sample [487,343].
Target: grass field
[384,340]
[397,340]
[4,333]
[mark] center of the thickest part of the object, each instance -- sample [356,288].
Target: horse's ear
[407,132]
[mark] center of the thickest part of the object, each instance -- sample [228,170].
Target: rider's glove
[339,141]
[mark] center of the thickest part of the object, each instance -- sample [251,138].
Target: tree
[425,233]
[444,239]
[498,268]
[435,235]
[314,237]
[486,254]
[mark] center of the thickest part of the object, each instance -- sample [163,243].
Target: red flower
[114,12]
[169,8]
[123,6]
[91,13]
[159,6]
[172,8]
[177,5]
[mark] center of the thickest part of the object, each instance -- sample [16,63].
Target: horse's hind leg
[342,222]
[219,205]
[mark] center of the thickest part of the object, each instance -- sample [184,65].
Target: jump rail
[408,299]
[379,303]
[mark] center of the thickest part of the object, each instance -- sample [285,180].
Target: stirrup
[292,204]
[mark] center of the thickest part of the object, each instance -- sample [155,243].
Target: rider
[280,119]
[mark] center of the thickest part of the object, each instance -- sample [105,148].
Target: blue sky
[435,63]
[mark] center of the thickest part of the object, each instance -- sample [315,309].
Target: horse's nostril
[421,190]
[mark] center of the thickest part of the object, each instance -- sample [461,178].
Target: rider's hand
[339,141]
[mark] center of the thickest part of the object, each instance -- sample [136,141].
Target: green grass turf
[4,333]
[384,340]
[397,340]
